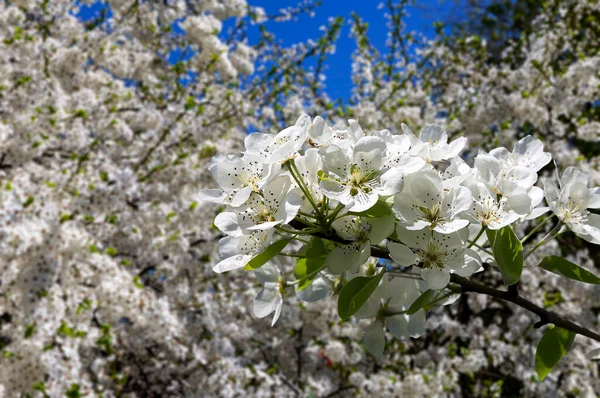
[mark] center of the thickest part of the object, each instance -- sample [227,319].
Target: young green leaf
[560,266]
[552,347]
[508,253]
[356,293]
[261,258]
[314,259]
[424,299]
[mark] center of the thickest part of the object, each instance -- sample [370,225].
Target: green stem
[547,238]
[472,243]
[303,214]
[332,217]
[294,232]
[483,228]
[533,231]
[297,177]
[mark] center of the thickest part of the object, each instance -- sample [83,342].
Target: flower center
[432,256]
[432,214]
[490,212]
[572,212]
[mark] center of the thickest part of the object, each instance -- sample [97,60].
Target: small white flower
[321,134]
[439,254]
[388,305]
[358,177]
[318,289]
[237,251]
[424,203]
[432,144]
[528,152]
[277,148]
[270,297]
[571,201]
[363,232]
[238,178]
[275,204]
[495,213]
[397,152]
[308,165]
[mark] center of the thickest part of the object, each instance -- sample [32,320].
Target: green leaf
[261,258]
[552,347]
[423,300]
[314,259]
[508,253]
[560,266]
[356,293]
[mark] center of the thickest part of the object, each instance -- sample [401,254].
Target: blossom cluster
[352,192]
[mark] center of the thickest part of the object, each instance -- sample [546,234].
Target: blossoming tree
[107,128]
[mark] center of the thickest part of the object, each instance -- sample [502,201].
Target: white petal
[405,208]
[266,300]
[268,273]
[232,263]
[337,191]
[212,196]
[451,226]
[398,326]
[241,196]
[381,228]
[572,174]
[456,201]
[592,229]
[278,308]
[436,278]
[292,206]
[229,246]
[520,204]
[335,160]
[363,201]
[530,152]
[470,264]
[454,148]
[535,213]
[374,340]
[517,179]
[347,257]
[390,183]
[594,355]
[434,134]
[317,290]
[402,292]
[416,323]
[594,201]
[227,223]
[401,254]
[347,227]
[225,170]
[265,226]
[537,195]
[426,187]
[413,239]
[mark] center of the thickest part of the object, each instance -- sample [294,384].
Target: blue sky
[422,16]
[338,67]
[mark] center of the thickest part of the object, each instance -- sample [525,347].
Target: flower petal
[436,278]
[374,340]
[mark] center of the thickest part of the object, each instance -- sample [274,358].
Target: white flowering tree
[107,130]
